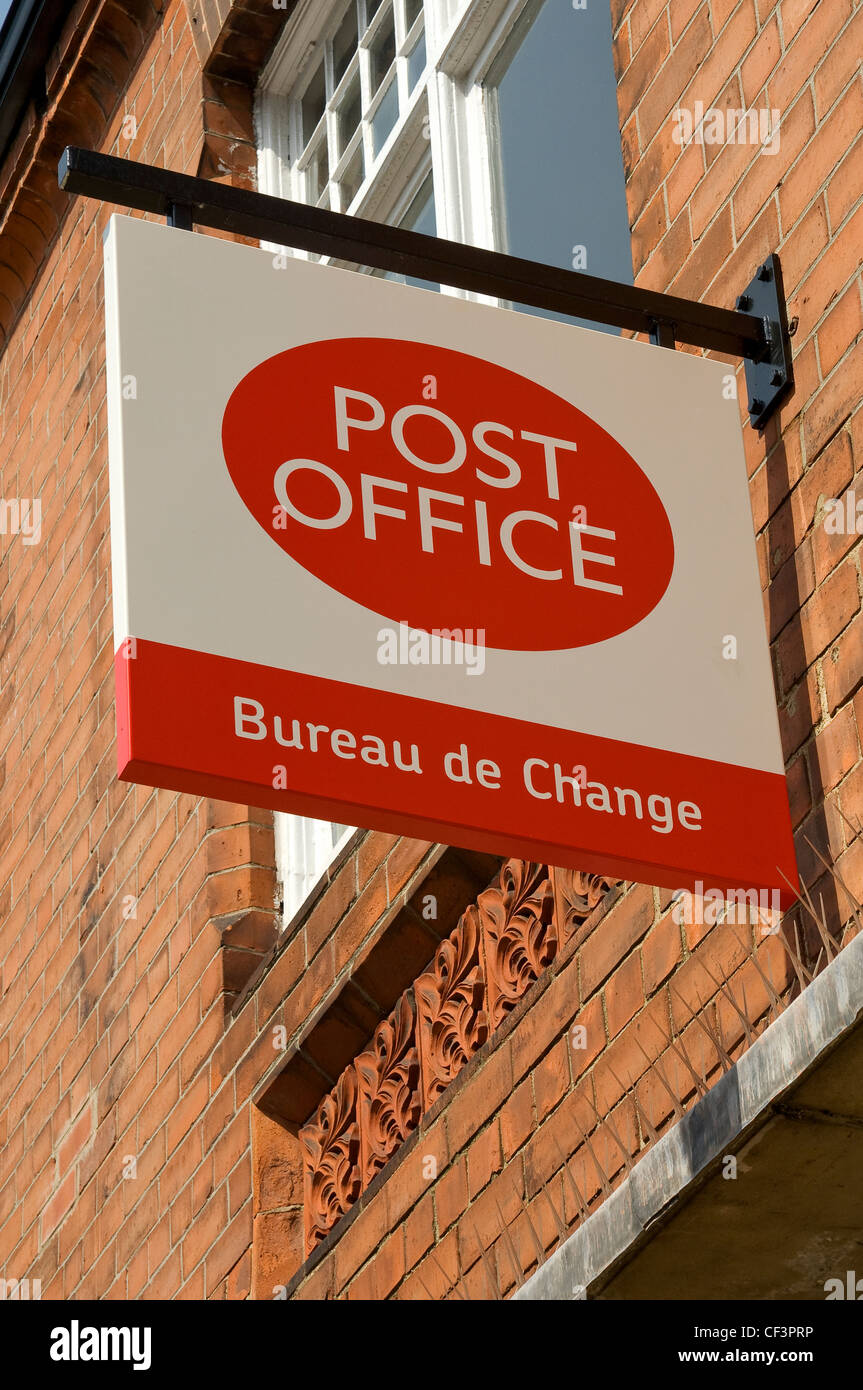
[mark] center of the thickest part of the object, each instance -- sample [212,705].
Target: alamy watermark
[409,646]
[77,1343]
[843,516]
[717,125]
[21,516]
[734,905]
[20,1290]
[848,1288]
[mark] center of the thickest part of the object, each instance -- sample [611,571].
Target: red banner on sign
[336,751]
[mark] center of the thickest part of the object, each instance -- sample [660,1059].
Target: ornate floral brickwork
[575,896]
[332,1180]
[453,1023]
[500,946]
[389,1101]
[519,934]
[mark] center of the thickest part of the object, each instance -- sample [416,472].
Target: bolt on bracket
[770,376]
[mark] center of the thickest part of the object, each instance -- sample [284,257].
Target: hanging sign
[389,558]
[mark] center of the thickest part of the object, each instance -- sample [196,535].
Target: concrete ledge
[719,1123]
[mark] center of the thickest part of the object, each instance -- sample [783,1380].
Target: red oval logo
[447,492]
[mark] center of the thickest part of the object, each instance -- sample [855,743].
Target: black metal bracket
[760,336]
[180,215]
[663,333]
[769,379]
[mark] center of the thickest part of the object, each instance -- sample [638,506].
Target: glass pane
[372,7]
[416,62]
[413,8]
[349,113]
[386,116]
[345,43]
[382,50]
[317,172]
[314,100]
[420,217]
[352,178]
[560,149]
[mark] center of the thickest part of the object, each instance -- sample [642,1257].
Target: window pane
[382,50]
[345,44]
[313,104]
[352,178]
[386,116]
[349,113]
[560,150]
[416,62]
[304,850]
[317,172]
[420,217]
[413,8]
[372,7]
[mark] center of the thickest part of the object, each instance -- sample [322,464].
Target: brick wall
[129,918]
[160,1045]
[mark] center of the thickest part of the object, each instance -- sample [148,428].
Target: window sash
[305,849]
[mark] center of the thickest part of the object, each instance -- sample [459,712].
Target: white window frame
[446,123]
[305,849]
[445,128]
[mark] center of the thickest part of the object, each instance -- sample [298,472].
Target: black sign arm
[757,330]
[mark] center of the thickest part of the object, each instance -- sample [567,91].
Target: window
[491,122]
[304,849]
[557,162]
[509,107]
[419,216]
[338,94]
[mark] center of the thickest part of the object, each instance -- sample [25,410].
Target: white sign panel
[390,558]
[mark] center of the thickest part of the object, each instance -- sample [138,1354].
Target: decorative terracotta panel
[389,1102]
[576,894]
[332,1177]
[500,946]
[452,1020]
[519,934]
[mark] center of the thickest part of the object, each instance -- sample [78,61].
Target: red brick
[359,1240]
[476,1102]
[551,1078]
[484,1158]
[839,395]
[823,152]
[624,994]
[660,953]
[799,794]
[836,751]
[451,1194]
[842,664]
[389,1266]
[830,610]
[517,1119]
[627,922]
[419,1231]
[840,328]
[587,1035]
[58,1206]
